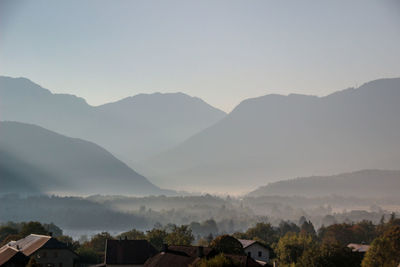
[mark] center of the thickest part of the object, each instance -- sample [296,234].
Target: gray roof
[246,243]
[358,247]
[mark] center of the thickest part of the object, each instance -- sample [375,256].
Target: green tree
[286,227]
[156,237]
[132,235]
[180,235]
[384,250]
[227,244]
[98,243]
[341,234]
[262,232]
[329,255]
[71,244]
[218,261]
[364,231]
[291,247]
[33,228]
[307,228]
[88,255]
[6,231]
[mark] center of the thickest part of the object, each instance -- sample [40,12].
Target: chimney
[17,247]
[164,248]
[126,237]
[200,252]
[51,234]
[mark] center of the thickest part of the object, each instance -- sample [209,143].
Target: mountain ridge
[157,125]
[277,137]
[364,183]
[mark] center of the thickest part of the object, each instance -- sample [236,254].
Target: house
[184,256]
[256,250]
[46,250]
[127,253]
[12,257]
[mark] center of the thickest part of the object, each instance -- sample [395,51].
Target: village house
[45,250]
[256,250]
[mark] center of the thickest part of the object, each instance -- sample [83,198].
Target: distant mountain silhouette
[363,184]
[36,160]
[277,137]
[132,129]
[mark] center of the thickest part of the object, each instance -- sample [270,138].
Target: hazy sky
[221,51]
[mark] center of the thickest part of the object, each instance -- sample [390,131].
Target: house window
[249,254]
[259,254]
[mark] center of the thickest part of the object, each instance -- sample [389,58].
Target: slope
[37,160]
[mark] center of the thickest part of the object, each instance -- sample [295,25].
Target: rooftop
[128,251]
[358,247]
[31,243]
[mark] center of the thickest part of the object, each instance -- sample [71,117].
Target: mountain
[363,184]
[36,160]
[277,137]
[132,129]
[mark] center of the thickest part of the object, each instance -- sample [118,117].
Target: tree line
[292,244]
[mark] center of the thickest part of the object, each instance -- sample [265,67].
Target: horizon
[55,91]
